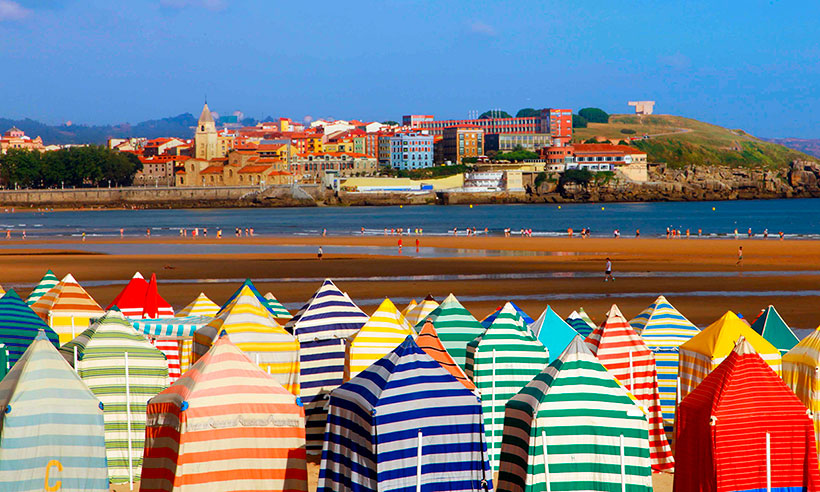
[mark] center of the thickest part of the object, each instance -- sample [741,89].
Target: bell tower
[205,137]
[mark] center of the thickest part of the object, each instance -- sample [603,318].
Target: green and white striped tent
[501,362]
[102,364]
[276,308]
[455,326]
[51,428]
[48,281]
[576,418]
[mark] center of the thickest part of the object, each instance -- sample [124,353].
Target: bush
[627,131]
[579,121]
[527,113]
[516,155]
[494,113]
[469,160]
[594,115]
[540,178]
[578,176]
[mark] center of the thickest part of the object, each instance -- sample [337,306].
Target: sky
[740,64]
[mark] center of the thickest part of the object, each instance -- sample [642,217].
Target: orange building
[16,138]
[462,141]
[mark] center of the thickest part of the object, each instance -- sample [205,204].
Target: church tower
[205,137]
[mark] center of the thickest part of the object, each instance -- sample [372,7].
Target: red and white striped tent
[742,429]
[140,299]
[624,354]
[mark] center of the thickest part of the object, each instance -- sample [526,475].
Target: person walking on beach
[319,253]
[739,256]
[608,272]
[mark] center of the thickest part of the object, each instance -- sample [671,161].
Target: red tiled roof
[625,149]
[279,173]
[268,159]
[212,170]
[253,169]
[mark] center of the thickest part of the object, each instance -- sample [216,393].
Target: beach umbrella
[664,329]
[581,323]
[67,308]
[279,311]
[772,327]
[404,423]
[419,313]
[225,425]
[52,435]
[429,341]
[173,337]
[201,306]
[19,326]
[801,372]
[501,361]
[385,330]
[706,350]
[488,320]
[322,327]
[553,332]
[743,429]
[124,371]
[574,427]
[254,330]
[254,291]
[409,307]
[48,281]
[627,357]
[455,326]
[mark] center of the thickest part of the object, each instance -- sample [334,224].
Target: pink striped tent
[625,355]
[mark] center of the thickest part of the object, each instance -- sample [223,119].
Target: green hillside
[680,141]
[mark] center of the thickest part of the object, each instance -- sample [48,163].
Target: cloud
[213,5]
[12,11]
[483,28]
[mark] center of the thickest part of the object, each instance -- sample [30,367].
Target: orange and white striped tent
[67,308]
[622,351]
[224,425]
[429,341]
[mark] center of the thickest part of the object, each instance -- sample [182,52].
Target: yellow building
[205,137]
[345,146]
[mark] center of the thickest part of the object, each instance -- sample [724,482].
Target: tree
[75,166]
[516,155]
[494,113]
[390,122]
[594,115]
[578,176]
[579,121]
[527,113]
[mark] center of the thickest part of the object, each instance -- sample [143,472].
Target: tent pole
[492,413]
[546,464]
[128,420]
[768,462]
[75,358]
[418,463]
[623,466]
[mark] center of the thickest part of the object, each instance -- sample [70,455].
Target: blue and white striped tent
[553,332]
[378,420]
[19,325]
[322,327]
[52,435]
[486,322]
[171,327]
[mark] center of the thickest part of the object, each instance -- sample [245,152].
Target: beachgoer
[219,233]
[569,231]
[121,232]
[319,253]
[205,231]
[362,231]
[781,235]
[637,233]
[24,233]
[608,272]
[324,232]
[251,230]
[766,233]
[400,243]
[667,233]
[750,232]
[83,236]
[687,233]
[417,245]
[739,256]
[148,232]
[700,231]
[735,232]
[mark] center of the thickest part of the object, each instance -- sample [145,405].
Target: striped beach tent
[571,427]
[404,423]
[385,330]
[173,337]
[500,362]
[455,326]
[627,357]
[663,330]
[52,435]
[801,372]
[5,364]
[742,429]
[410,305]
[279,311]
[429,341]
[48,281]
[249,284]
[225,425]
[130,299]
[322,327]
[254,330]
[19,325]
[67,308]
[488,320]
[419,314]
[201,306]
[553,332]
[123,383]
[581,323]
[155,306]
[706,350]
[772,327]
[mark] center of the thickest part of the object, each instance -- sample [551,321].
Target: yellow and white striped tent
[253,329]
[418,313]
[384,331]
[706,350]
[67,309]
[409,307]
[201,306]
[801,372]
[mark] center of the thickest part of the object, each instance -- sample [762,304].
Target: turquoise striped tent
[488,320]
[501,362]
[183,328]
[404,414]
[5,365]
[48,281]
[771,326]
[581,322]
[101,363]
[568,428]
[664,329]
[271,308]
[279,311]
[51,428]
[19,325]
[455,326]
[553,332]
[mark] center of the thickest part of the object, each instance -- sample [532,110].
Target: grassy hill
[680,141]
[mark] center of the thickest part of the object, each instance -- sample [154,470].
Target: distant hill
[680,141]
[809,146]
[181,126]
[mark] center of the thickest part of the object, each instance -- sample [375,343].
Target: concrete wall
[125,196]
[455,181]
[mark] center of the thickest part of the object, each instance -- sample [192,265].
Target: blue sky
[751,65]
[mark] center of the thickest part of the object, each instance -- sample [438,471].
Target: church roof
[206,116]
